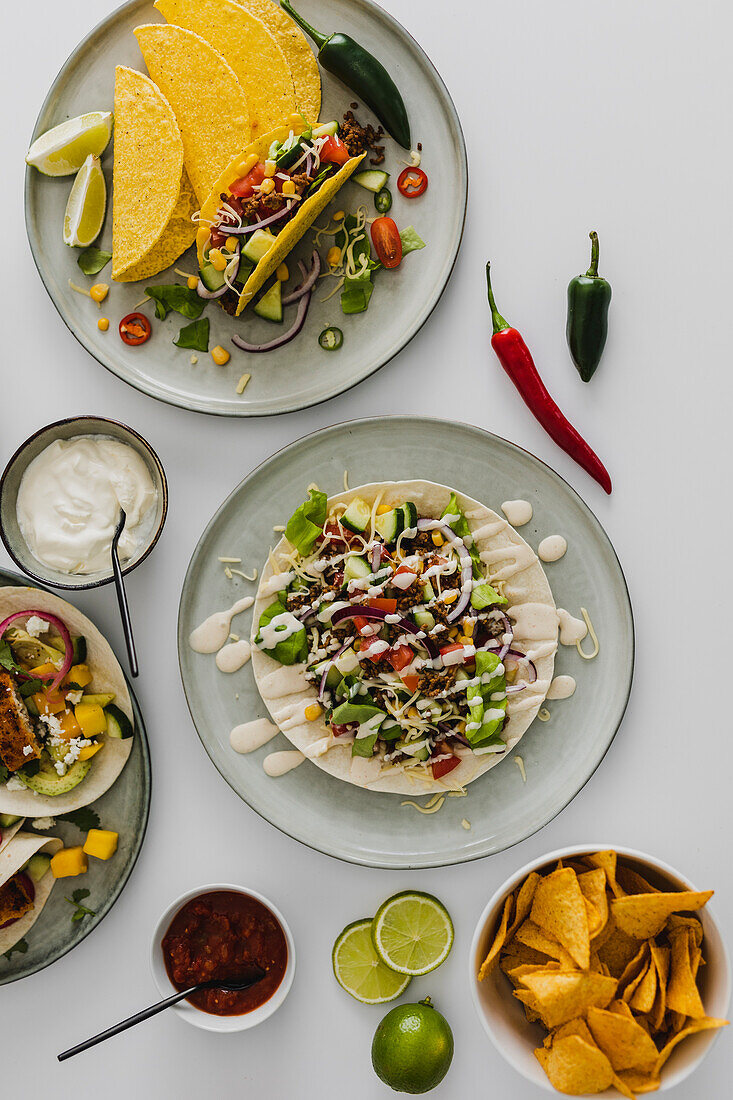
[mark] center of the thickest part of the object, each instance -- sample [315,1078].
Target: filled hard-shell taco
[404,636]
[66,719]
[26,881]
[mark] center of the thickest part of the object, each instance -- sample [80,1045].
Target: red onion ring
[243,229]
[308,280]
[52,620]
[285,338]
[377,613]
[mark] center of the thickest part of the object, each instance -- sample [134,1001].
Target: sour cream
[69,503]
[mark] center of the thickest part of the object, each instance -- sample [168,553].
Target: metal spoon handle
[124,610]
[138,1017]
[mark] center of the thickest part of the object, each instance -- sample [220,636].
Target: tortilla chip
[705,1024]
[593,888]
[208,101]
[660,955]
[298,54]
[148,163]
[575,1067]
[248,48]
[560,996]
[578,1026]
[499,939]
[607,861]
[624,1042]
[517,976]
[645,992]
[615,949]
[519,955]
[692,923]
[559,909]
[178,235]
[533,936]
[682,992]
[523,898]
[632,882]
[638,1082]
[645,915]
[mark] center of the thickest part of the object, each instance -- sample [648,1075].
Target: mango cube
[90,750]
[69,861]
[101,843]
[91,718]
[79,674]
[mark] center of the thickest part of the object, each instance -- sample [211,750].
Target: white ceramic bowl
[189,1012]
[502,1015]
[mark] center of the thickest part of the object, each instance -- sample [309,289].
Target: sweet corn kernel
[90,750]
[267,187]
[468,626]
[218,262]
[339,216]
[101,843]
[282,274]
[333,256]
[270,168]
[220,355]
[103,324]
[232,243]
[450,597]
[312,712]
[69,861]
[192,282]
[288,187]
[99,291]
[453,633]
[464,640]
[247,164]
[202,236]
[437,538]
[383,509]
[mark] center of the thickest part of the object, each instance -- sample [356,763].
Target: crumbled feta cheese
[74,697]
[60,767]
[14,784]
[27,750]
[52,724]
[36,626]
[44,823]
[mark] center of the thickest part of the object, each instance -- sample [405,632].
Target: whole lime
[412,1048]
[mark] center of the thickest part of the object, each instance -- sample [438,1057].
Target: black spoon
[122,596]
[250,977]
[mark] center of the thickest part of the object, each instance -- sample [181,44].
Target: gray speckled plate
[559,756]
[301,373]
[124,808]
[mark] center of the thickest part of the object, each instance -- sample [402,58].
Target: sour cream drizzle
[213,632]
[562,687]
[572,630]
[233,656]
[518,512]
[280,763]
[252,735]
[552,548]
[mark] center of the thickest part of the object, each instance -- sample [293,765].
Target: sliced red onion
[322,688]
[377,613]
[242,229]
[308,280]
[52,620]
[376,557]
[466,563]
[285,338]
[230,272]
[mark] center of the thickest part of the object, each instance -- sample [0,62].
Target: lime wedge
[63,150]
[86,206]
[412,933]
[358,970]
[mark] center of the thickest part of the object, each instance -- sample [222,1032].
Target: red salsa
[217,935]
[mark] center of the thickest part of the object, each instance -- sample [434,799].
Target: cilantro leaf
[173,296]
[20,947]
[194,336]
[7,660]
[79,895]
[92,260]
[85,818]
[80,911]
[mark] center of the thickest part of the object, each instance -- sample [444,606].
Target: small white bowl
[185,1009]
[502,1015]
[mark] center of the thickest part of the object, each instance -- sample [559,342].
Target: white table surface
[577,115]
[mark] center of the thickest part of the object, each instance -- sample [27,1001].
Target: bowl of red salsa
[218,931]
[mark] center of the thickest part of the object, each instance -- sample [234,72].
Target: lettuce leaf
[306,522]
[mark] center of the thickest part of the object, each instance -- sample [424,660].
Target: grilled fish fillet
[14,899]
[18,742]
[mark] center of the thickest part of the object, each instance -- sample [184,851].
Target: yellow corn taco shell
[208,101]
[151,193]
[248,47]
[296,227]
[297,51]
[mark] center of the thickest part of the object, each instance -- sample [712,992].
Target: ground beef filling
[358,139]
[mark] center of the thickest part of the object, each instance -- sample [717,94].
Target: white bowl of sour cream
[60,500]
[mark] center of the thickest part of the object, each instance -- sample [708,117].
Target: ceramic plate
[559,756]
[299,374]
[124,808]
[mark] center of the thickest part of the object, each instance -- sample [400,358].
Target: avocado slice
[47,781]
[38,865]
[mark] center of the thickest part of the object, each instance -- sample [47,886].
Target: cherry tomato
[446,650]
[333,151]
[245,185]
[390,606]
[387,242]
[135,329]
[400,657]
[442,767]
[412,182]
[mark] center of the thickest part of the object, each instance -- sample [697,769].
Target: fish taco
[264,202]
[404,636]
[66,719]
[26,880]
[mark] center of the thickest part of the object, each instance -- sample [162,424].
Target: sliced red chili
[412,182]
[387,242]
[135,329]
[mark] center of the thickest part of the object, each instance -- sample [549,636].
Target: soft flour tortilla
[291,233]
[531,608]
[14,856]
[107,677]
[7,832]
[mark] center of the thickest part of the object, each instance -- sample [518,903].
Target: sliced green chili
[383,200]
[331,339]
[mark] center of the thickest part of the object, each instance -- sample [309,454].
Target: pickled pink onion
[53,620]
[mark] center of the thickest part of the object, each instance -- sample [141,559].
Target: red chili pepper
[516,359]
[135,329]
[412,182]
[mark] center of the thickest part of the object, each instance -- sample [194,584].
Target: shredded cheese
[593,636]
[429,809]
[243,382]
[543,714]
[520,764]
[231,561]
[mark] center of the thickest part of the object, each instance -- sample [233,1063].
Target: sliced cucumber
[390,525]
[118,724]
[423,618]
[333,679]
[47,781]
[79,646]
[6,820]
[417,754]
[210,277]
[258,243]
[372,179]
[428,592]
[357,515]
[356,568]
[38,865]
[30,706]
[409,518]
[326,129]
[270,305]
[347,662]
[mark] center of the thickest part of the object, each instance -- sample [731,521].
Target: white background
[577,115]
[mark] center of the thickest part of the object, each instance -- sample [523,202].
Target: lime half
[63,150]
[86,206]
[412,933]
[357,968]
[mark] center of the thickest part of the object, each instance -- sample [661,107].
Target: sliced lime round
[412,933]
[357,968]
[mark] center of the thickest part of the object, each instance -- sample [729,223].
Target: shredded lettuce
[306,522]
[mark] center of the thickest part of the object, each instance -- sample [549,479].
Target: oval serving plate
[124,808]
[559,756]
[299,374]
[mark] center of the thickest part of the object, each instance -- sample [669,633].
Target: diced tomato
[361,622]
[404,571]
[400,657]
[389,606]
[337,730]
[245,185]
[411,681]
[446,650]
[387,242]
[442,767]
[364,644]
[337,536]
[333,151]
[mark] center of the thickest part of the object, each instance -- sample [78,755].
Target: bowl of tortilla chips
[600,971]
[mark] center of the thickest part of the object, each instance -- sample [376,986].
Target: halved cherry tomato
[389,606]
[245,185]
[411,681]
[387,242]
[333,151]
[135,329]
[442,767]
[412,182]
[400,657]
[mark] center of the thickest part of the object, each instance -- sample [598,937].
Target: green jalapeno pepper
[360,71]
[589,297]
